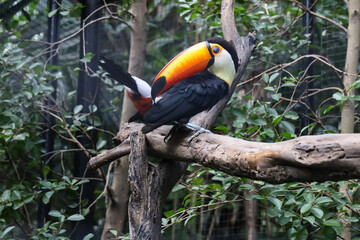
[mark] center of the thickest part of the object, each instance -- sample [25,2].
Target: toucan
[193,81]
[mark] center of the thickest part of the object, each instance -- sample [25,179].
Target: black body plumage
[185,99]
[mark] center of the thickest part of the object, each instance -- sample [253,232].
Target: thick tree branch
[304,159]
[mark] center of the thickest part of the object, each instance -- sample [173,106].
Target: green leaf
[323,200]
[276,202]
[55,213]
[317,212]
[169,213]
[87,57]
[114,232]
[71,94]
[78,108]
[257,121]
[356,206]
[284,220]
[273,77]
[52,13]
[6,195]
[309,197]
[273,212]
[300,234]
[310,219]
[189,219]
[356,84]
[76,217]
[49,194]
[265,77]
[101,143]
[269,88]
[276,96]
[92,108]
[289,214]
[6,231]
[287,126]
[178,187]
[223,128]
[288,84]
[355,98]
[339,97]
[89,236]
[64,13]
[291,115]
[246,186]
[276,120]
[255,196]
[305,208]
[326,110]
[332,223]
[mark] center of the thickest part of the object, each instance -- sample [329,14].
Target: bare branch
[307,158]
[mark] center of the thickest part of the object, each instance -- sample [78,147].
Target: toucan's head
[225,59]
[216,54]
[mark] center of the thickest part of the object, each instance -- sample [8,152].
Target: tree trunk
[118,193]
[351,65]
[351,69]
[251,217]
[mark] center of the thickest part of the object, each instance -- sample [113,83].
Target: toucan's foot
[198,131]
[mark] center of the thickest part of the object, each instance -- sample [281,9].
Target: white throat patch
[223,67]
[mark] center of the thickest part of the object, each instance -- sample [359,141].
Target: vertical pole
[308,23]
[87,92]
[53,27]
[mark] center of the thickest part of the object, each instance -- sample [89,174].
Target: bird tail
[116,72]
[138,90]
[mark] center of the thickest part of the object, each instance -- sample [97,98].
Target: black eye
[216,49]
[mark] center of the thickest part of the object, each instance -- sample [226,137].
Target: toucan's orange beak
[187,63]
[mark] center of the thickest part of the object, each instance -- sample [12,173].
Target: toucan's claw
[198,131]
[174,129]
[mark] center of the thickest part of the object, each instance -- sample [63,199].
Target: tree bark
[351,65]
[144,214]
[118,192]
[304,159]
[351,69]
[251,217]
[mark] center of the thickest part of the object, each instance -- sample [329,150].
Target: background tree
[118,192]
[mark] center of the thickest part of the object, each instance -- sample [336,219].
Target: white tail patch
[143,87]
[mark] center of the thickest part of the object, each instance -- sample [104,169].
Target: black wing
[118,74]
[185,99]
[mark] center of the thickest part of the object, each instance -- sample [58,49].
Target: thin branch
[304,8]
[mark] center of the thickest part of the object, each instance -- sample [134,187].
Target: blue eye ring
[216,49]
